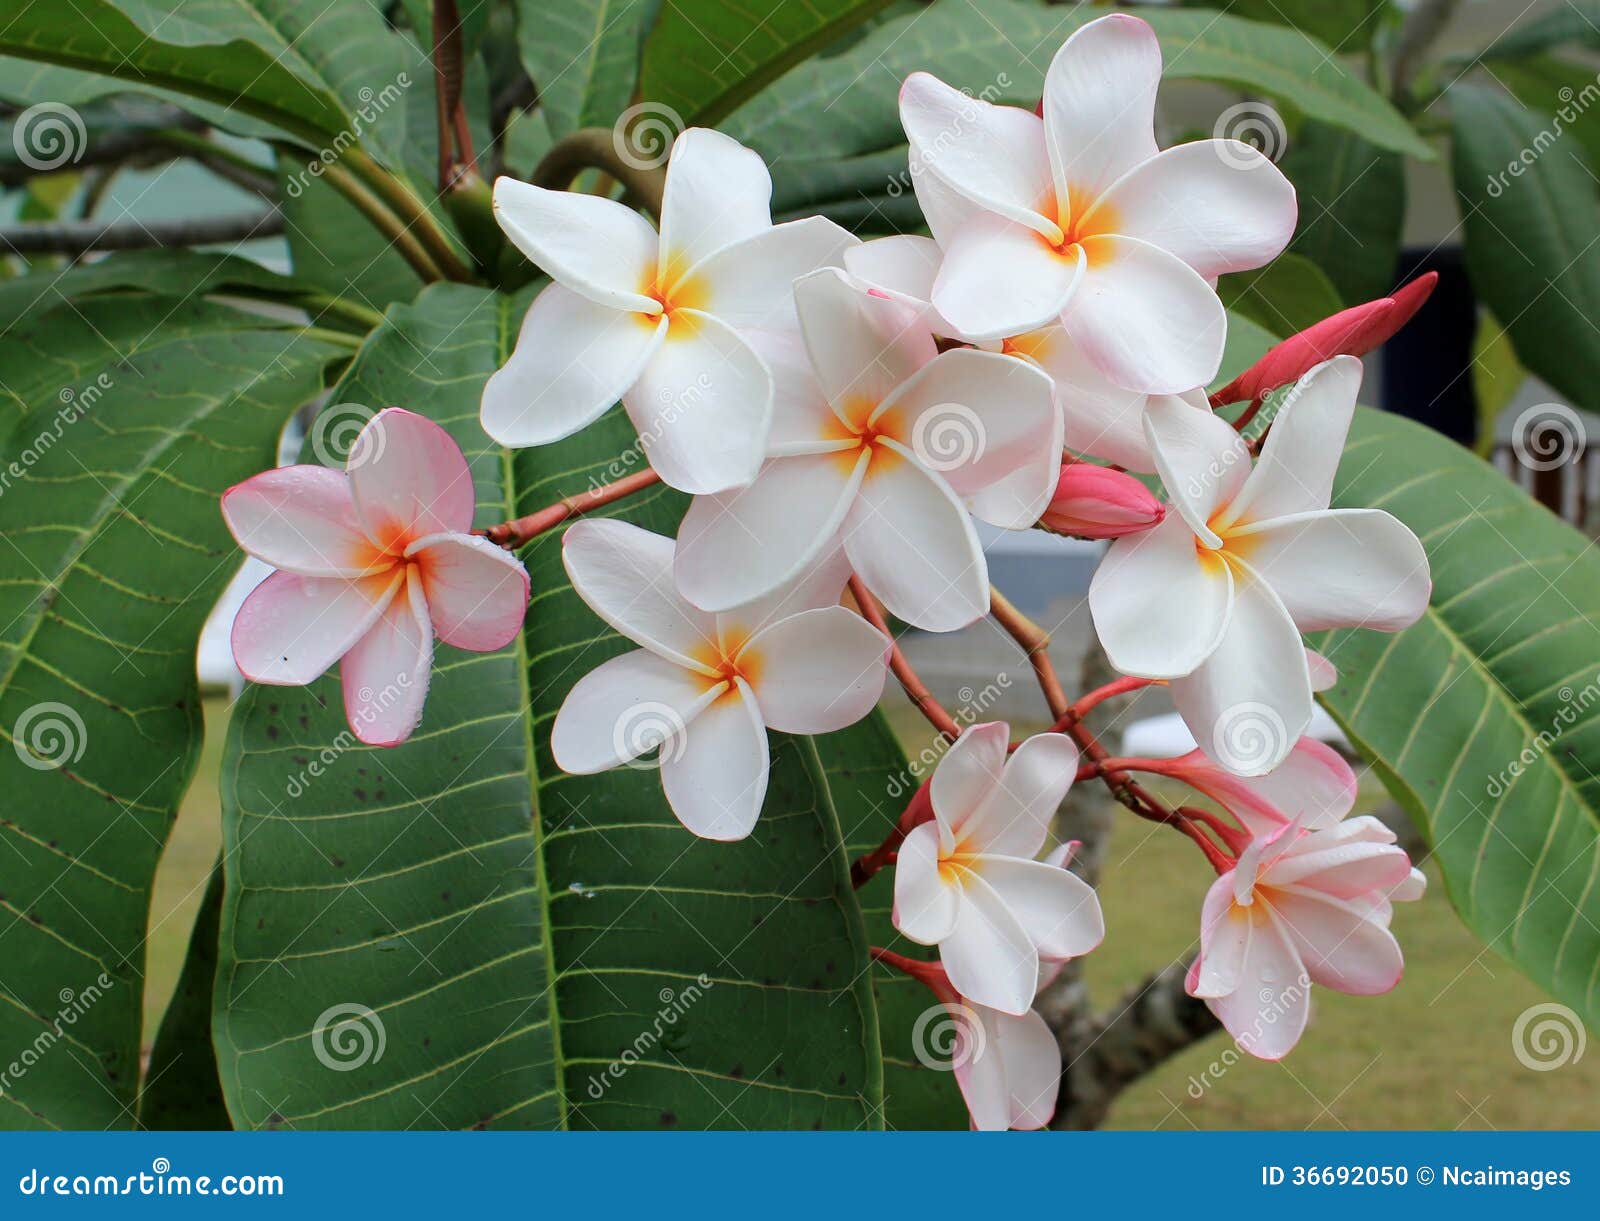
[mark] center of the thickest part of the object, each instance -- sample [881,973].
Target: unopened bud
[1097,502]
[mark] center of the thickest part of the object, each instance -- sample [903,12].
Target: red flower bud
[1352,332]
[1097,502]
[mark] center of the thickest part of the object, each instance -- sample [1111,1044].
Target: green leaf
[703,58]
[1287,295]
[513,930]
[1497,375]
[130,419]
[333,246]
[1560,90]
[1530,216]
[1346,25]
[1352,208]
[1573,22]
[182,1092]
[831,128]
[1484,718]
[583,56]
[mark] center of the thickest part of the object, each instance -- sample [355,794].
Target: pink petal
[1267,1013]
[292,628]
[477,593]
[385,676]
[409,479]
[1341,948]
[1313,787]
[301,519]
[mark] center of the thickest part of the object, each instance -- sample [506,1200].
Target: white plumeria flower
[885,443]
[1217,594]
[1300,908]
[1077,215]
[967,881]
[706,688]
[1007,1067]
[1099,417]
[665,323]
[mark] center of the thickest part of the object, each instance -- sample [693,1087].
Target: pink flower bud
[1097,502]
[1352,332]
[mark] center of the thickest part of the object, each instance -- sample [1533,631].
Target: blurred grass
[1434,1053]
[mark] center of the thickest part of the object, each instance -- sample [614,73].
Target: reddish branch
[915,689]
[1035,642]
[514,534]
[919,811]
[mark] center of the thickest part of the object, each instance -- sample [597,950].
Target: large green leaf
[705,57]
[512,930]
[1575,22]
[583,55]
[1531,215]
[1556,88]
[1484,718]
[127,418]
[1347,26]
[1352,208]
[1287,295]
[831,130]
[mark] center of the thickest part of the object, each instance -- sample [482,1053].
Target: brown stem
[595,148]
[910,681]
[1035,642]
[514,534]
[81,236]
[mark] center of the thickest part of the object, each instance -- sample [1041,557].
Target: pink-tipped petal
[301,519]
[409,479]
[292,628]
[477,593]
[385,677]
[817,671]
[1341,949]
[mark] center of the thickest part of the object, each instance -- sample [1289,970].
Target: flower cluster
[841,413]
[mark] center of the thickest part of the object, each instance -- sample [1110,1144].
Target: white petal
[1218,205]
[1158,608]
[1303,447]
[1267,1013]
[976,418]
[624,573]
[718,192]
[802,420]
[925,905]
[292,628]
[1100,101]
[999,278]
[969,770]
[988,956]
[741,545]
[1014,816]
[573,360]
[817,671]
[861,346]
[595,246]
[1099,417]
[1057,910]
[904,265]
[1341,568]
[819,585]
[1412,889]
[385,677]
[979,1065]
[1224,939]
[1202,460]
[912,542]
[943,207]
[992,155]
[702,406]
[1250,701]
[1145,318]
[717,782]
[750,283]
[624,708]
[1032,1067]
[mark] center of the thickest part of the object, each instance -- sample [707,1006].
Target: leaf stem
[384,221]
[595,148]
[410,210]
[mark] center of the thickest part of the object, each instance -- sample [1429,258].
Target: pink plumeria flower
[967,881]
[705,688]
[664,322]
[1313,787]
[1099,417]
[1076,215]
[886,444]
[1300,908]
[1218,594]
[373,562]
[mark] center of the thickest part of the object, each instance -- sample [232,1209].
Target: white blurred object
[216,650]
[1162,737]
